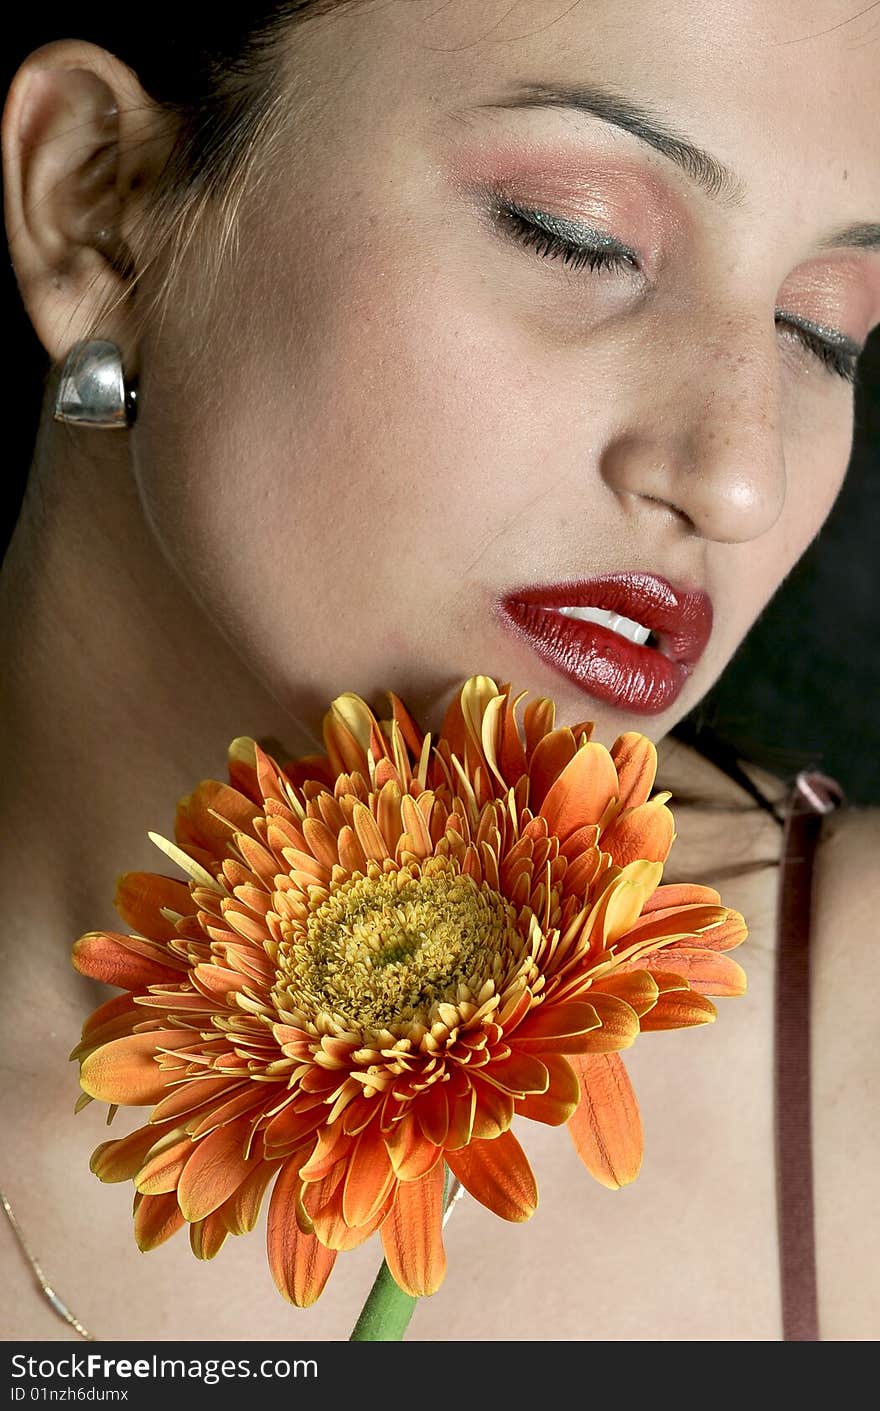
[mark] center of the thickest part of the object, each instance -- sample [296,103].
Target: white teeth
[634,631]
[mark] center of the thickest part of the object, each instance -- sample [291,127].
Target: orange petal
[583,727]
[635,759]
[388,812]
[581,873]
[333,1145]
[620,1024]
[636,987]
[367,829]
[553,1027]
[493,1112]
[413,735]
[215,1169]
[300,1265]
[431,1109]
[682,894]
[347,730]
[498,1175]
[679,1009]
[161,1172]
[414,824]
[368,1177]
[510,754]
[490,739]
[477,696]
[607,1127]
[195,824]
[156,1219]
[539,717]
[411,1155]
[676,921]
[122,1158]
[126,961]
[351,854]
[521,1073]
[412,1235]
[462,1109]
[290,1128]
[644,832]
[189,1097]
[207,1237]
[259,859]
[617,908]
[452,728]
[546,764]
[270,775]
[727,935]
[560,1101]
[102,1024]
[580,841]
[582,792]
[126,1071]
[140,897]
[328,1220]
[241,764]
[709,972]
[705,927]
[241,1210]
[245,1102]
[322,843]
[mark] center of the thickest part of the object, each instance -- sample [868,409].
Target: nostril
[713,483]
[675,511]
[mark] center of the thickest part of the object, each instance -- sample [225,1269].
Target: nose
[706,439]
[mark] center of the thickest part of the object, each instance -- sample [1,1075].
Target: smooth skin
[384,412]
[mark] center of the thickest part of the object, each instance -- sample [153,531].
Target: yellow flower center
[383,950]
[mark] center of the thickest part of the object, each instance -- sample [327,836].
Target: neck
[117,697]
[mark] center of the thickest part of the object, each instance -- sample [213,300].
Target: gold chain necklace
[456,1191]
[57,1303]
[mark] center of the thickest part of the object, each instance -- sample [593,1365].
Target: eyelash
[547,244]
[836,359]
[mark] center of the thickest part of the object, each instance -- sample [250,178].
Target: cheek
[327,487]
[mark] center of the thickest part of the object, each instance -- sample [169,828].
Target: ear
[82,145]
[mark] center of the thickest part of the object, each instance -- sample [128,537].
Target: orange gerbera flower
[382,956]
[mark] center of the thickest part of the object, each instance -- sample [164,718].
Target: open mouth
[615,622]
[635,651]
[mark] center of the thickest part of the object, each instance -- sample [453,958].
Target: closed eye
[834,350]
[554,237]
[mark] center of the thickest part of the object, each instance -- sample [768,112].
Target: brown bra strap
[812,796]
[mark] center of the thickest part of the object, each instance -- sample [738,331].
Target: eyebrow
[864,235]
[707,172]
[717,180]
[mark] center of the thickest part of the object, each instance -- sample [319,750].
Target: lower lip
[599,661]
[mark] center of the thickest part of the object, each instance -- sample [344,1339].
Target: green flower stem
[387,1312]
[385,1315]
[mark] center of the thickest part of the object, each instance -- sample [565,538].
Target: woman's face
[414,397]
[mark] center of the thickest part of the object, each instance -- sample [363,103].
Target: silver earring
[93,390]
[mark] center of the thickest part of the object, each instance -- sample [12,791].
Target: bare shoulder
[845,952]
[847,876]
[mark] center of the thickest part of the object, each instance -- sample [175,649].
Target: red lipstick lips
[642,678]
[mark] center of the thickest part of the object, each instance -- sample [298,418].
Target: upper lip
[680,618]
